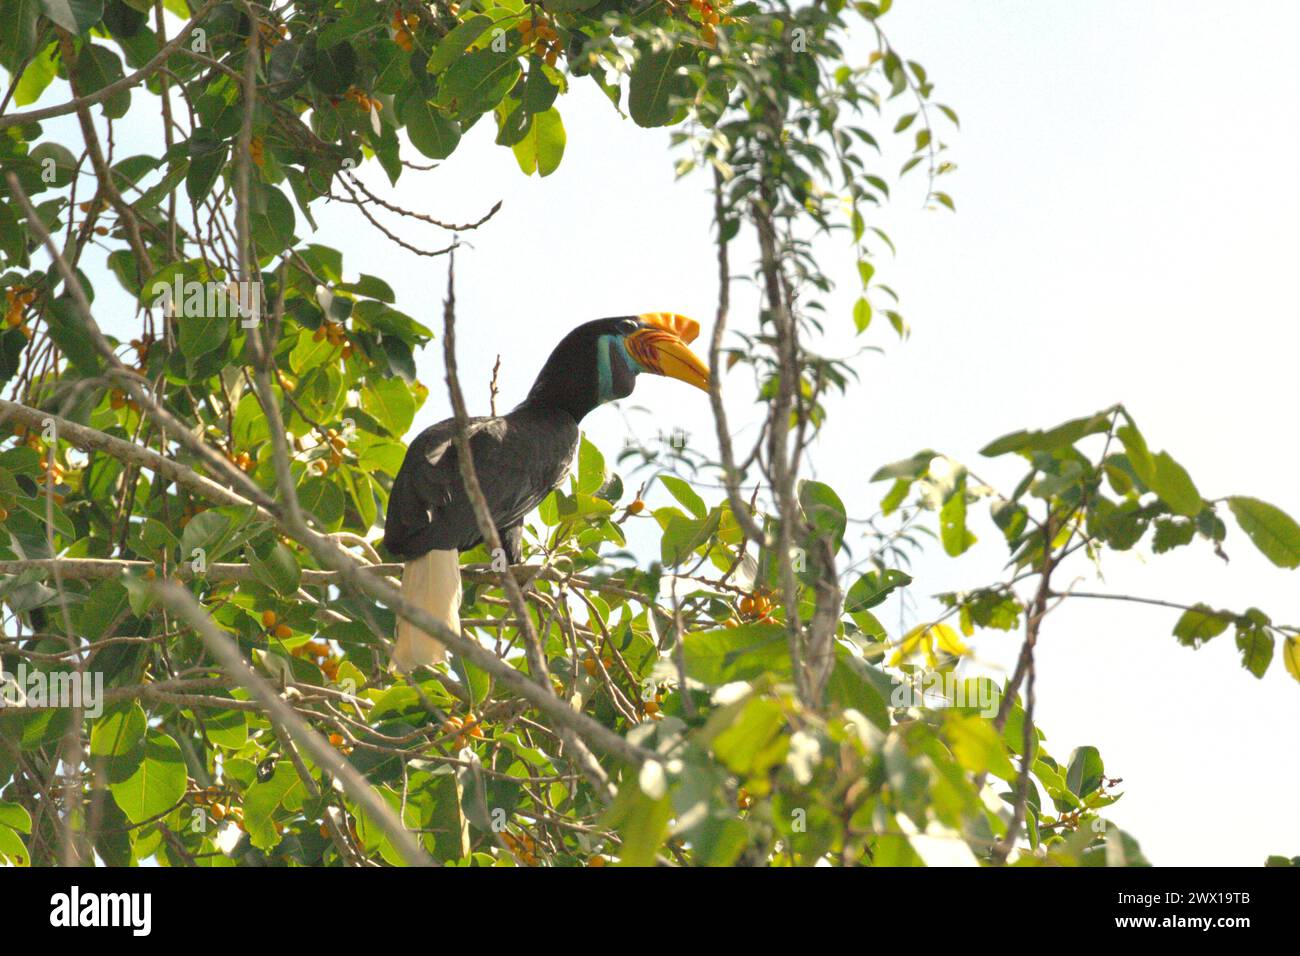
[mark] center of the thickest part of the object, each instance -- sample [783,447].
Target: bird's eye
[628,326]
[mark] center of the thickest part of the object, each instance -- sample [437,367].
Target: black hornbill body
[519,457]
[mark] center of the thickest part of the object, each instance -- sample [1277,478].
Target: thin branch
[226,651]
[105,92]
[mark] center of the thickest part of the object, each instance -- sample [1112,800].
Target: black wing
[518,461]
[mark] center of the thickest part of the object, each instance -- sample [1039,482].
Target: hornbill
[519,458]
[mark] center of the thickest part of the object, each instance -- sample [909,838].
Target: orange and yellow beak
[660,347]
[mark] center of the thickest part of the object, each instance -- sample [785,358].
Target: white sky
[1121,235]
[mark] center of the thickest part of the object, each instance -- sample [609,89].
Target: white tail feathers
[432,583]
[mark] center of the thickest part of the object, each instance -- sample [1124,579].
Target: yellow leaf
[1291,656]
[923,639]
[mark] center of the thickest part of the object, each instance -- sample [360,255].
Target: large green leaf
[75,16]
[736,653]
[1274,531]
[657,86]
[97,67]
[1174,486]
[1062,436]
[431,132]
[158,782]
[390,401]
[457,42]
[1200,623]
[542,147]
[118,730]
[478,81]
[18,34]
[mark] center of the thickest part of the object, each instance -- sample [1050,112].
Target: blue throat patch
[607,347]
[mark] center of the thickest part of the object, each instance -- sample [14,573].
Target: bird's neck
[561,388]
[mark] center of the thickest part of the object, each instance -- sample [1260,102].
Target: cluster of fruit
[365,101]
[523,847]
[709,20]
[653,708]
[29,438]
[52,469]
[17,300]
[220,808]
[318,652]
[141,347]
[592,668]
[271,621]
[540,37]
[465,729]
[755,607]
[272,33]
[337,742]
[404,30]
[117,400]
[335,334]
[243,461]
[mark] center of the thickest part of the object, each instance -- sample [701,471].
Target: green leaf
[207,330]
[104,606]
[75,16]
[457,42]
[872,588]
[1174,486]
[861,314]
[824,511]
[15,817]
[285,790]
[391,403]
[909,468]
[333,69]
[57,158]
[158,782]
[642,823]
[97,67]
[275,565]
[17,34]
[1272,530]
[69,333]
[1200,623]
[1053,439]
[591,467]
[478,81]
[736,653]
[956,537]
[542,147]
[324,499]
[683,535]
[118,730]
[685,495]
[205,532]
[750,745]
[1139,455]
[1085,771]
[431,132]
[272,220]
[656,86]
[1256,646]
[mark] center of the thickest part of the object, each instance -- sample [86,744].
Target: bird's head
[599,361]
